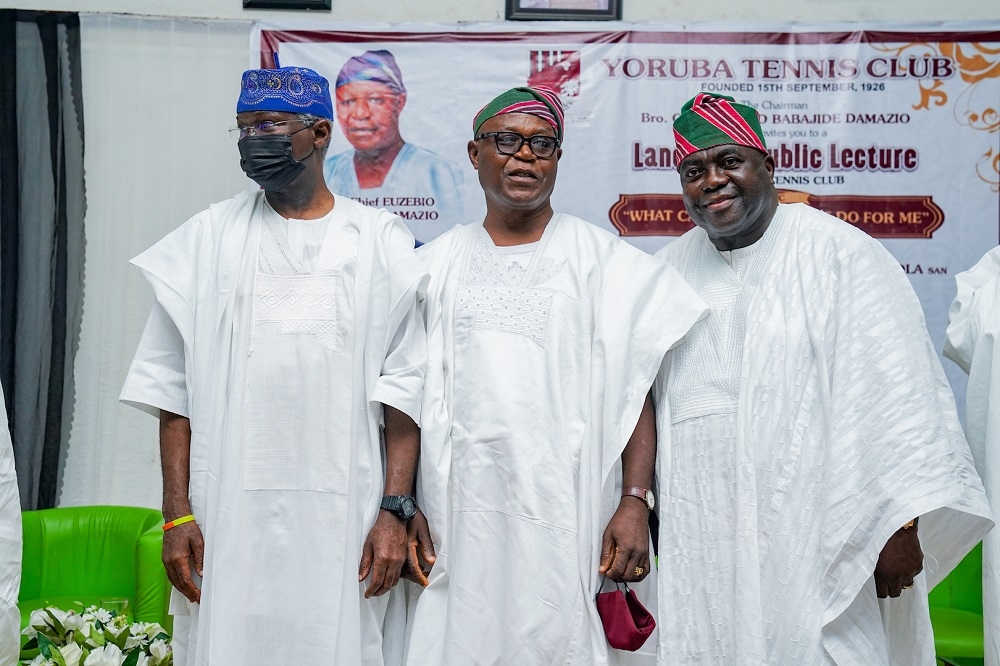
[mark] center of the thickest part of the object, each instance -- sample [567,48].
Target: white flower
[116,626]
[101,615]
[131,643]
[143,660]
[39,619]
[72,622]
[72,653]
[40,661]
[153,629]
[59,615]
[107,655]
[159,649]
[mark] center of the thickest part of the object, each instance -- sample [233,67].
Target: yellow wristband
[177,521]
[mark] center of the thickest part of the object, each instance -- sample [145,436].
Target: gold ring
[638,571]
[906,587]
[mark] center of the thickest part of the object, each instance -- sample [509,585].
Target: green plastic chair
[957,612]
[90,553]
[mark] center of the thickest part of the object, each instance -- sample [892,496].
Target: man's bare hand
[900,560]
[625,546]
[420,556]
[383,554]
[184,547]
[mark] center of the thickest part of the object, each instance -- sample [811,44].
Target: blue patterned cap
[290,89]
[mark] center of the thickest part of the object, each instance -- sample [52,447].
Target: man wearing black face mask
[284,333]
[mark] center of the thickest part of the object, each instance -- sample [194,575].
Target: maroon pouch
[627,623]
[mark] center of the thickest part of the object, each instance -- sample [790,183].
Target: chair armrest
[152,587]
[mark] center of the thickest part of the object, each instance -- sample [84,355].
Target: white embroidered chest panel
[705,369]
[708,366]
[292,301]
[490,298]
[301,304]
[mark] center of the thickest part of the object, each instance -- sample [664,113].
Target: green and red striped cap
[714,120]
[535,100]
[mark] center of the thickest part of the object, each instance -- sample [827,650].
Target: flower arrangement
[95,637]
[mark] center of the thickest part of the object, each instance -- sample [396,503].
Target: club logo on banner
[558,70]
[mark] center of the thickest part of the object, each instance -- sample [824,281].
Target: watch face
[408,508]
[650,499]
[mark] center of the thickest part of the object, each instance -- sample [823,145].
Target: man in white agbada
[808,427]
[973,328]
[10,547]
[538,437]
[285,331]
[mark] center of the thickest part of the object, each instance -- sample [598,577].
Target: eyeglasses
[265,127]
[509,143]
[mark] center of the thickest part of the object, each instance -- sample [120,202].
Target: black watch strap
[403,507]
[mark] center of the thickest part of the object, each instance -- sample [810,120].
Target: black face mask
[268,161]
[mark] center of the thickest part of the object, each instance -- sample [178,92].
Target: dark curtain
[41,239]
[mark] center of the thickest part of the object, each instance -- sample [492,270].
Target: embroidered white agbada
[973,328]
[809,419]
[282,355]
[10,547]
[539,359]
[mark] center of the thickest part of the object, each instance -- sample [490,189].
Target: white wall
[158,98]
[395,11]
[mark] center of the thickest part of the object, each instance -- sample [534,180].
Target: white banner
[893,128]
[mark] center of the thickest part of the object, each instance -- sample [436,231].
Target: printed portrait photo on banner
[381,168]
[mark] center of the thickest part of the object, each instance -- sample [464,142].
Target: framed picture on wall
[286,4]
[564,10]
